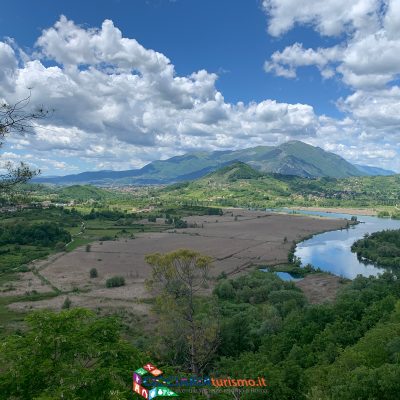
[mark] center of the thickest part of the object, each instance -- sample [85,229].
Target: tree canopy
[72,354]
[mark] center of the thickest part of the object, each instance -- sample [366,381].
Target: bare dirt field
[320,288]
[237,241]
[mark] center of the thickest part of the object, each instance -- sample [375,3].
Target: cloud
[119,105]
[365,58]
[8,66]
[329,17]
[286,62]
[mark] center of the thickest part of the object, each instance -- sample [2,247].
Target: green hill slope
[240,185]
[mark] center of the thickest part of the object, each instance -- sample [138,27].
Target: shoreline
[339,210]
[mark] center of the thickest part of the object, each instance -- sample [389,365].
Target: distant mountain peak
[291,158]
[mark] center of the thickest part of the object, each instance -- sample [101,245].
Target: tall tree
[188,322]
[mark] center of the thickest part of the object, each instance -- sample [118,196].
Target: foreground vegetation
[255,325]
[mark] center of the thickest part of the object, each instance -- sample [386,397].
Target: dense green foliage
[30,234]
[39,234]
[346,350]
[115,281]
[382,248]
[69,355]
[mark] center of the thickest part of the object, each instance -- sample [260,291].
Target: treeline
[107,214]
[192,209]
[381,248]
[39,234]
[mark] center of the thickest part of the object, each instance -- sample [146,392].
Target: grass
[11,319]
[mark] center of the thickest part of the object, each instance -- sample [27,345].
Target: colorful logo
[158,391]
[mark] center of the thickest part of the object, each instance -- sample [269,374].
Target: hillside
[291,158]
[63,194]
[233,172]
[244,186]
[374,171]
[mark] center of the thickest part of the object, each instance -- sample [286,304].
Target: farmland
[237,241]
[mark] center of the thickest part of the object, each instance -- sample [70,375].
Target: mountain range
[290,158]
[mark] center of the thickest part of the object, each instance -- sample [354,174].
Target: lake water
[331,251]
[285,276]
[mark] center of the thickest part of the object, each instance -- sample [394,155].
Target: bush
[60,246]
[93,273]
[105,238]
[23,268]
[180,223]
[67,303]
[88,247]
[115,281]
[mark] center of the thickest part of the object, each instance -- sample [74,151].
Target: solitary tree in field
[16,119]
[188,323]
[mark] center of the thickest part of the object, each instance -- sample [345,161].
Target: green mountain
[291,158]
[233,172]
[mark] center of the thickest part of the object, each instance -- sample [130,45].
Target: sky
[129,82]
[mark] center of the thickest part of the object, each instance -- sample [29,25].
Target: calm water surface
[331,251]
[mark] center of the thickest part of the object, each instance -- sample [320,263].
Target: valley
[121,253]
[238,241]
[200,200]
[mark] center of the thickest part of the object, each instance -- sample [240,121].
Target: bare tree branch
[16,118]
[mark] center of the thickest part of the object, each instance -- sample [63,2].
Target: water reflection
[331,251]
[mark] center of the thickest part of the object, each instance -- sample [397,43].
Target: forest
[382,248]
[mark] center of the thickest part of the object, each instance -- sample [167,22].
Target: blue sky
[322,72]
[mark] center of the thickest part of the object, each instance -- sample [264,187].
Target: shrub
[115,281]
[60,246]
[93,273]
[106,238]
[67,303]
[23,268]
[88,247]
[180,223]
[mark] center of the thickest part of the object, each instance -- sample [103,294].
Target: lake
[331,251]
